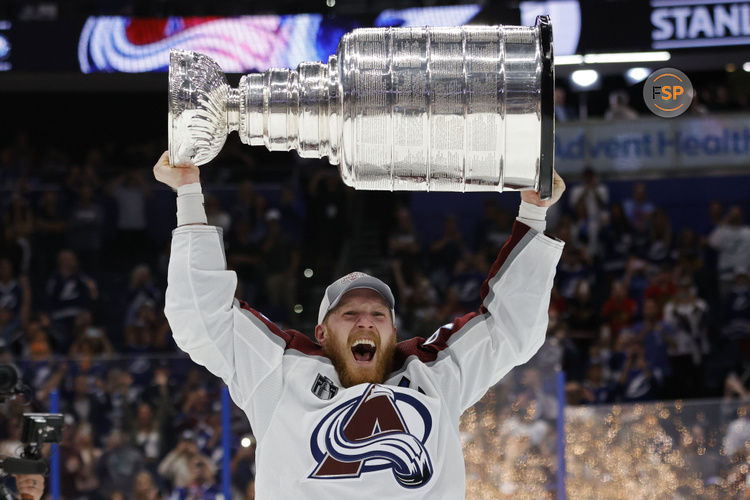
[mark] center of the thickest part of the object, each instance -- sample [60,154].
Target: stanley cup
[420,109]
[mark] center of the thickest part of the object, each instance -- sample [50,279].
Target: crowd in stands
[639,311]
[711,98]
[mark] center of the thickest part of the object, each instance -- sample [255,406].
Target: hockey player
[354,414]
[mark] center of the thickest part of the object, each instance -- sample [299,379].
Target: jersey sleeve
[477,350]
[235,343]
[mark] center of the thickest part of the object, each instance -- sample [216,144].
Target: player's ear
[320,334]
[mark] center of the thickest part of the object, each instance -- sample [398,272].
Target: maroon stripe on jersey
[292,338]
[519,231]
[429,352]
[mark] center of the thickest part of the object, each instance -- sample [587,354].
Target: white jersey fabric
[318,440]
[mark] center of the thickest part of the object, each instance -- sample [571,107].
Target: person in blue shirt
[201,484]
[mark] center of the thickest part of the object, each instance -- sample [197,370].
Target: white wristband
[533,216]
[190,205]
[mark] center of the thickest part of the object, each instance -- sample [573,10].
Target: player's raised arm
[207,322]
[511,323]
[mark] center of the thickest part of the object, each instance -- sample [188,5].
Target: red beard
[351,374]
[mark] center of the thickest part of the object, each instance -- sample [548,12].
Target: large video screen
[238,44]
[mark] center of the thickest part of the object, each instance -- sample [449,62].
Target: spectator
[563,112]
[50,226]
[90,338]
[87,405]
[86,479]
[147,434]
[445,252]
[594,194]
[118,465]
[616,242]
[656,337]
[15,303]
[85,227]
[178,466]
[493,230]
[574,268]
[619,107]
[404,242]
[86,175]
[142,290]
[87,365]
[731,239]
[145,487]
[41,371]
[638,209]
[18,223]
[690,258]
[70,459]
[659,245]
[468,276]
[583,316]
[68,293]
[201,482]
[130,193]
[637,278]
[158,394]
[595,389]
[584,230]
[122,395]
[661,288]
[573,361]
[635,381]
[419,301]
[619,309]
[687,315]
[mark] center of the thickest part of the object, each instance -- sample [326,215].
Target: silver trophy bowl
[448,109]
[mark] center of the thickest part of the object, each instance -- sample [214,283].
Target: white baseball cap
[352,281]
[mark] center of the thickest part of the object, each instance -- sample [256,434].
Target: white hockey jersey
[318,440]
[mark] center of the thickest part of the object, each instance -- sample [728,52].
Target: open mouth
[363,350]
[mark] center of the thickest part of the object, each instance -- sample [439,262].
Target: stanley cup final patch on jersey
[380,429]
[324,388]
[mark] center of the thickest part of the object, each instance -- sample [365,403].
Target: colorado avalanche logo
[369,433]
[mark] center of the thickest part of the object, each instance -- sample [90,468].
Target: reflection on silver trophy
[421,109]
